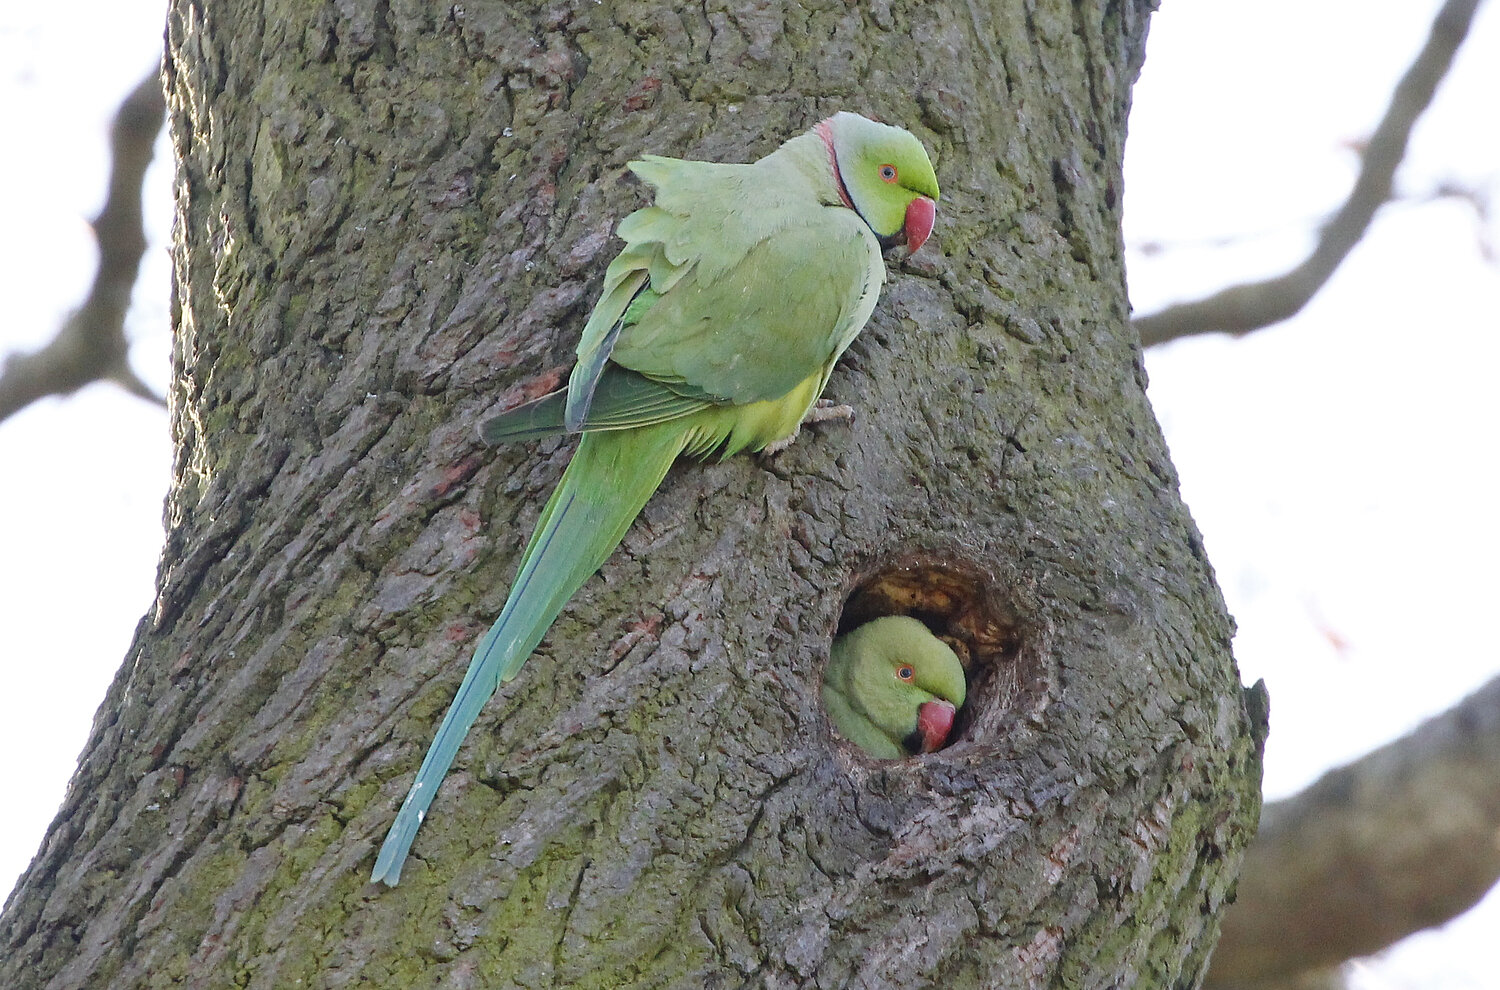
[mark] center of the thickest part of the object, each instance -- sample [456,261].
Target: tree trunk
[392,220]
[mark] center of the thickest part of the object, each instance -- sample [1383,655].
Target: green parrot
[892,687]
[716,330]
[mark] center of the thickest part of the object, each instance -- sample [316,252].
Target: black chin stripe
[913,742]
[826,134]
[838,176]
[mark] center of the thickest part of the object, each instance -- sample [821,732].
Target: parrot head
[885,176]
[899,687]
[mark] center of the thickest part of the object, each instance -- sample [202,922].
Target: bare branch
[91,344]
[1395,842]
[1241,309]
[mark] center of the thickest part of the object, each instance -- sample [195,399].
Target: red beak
[921,214]
[934,718]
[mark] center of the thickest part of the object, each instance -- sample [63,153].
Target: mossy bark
[391,221]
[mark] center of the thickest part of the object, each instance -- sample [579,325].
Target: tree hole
[978,617]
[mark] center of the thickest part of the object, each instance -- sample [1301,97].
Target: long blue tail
[609,479]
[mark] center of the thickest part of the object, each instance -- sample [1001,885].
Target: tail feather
[603,489]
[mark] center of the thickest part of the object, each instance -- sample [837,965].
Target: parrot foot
[821,412]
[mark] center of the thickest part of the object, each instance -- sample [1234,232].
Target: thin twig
[90,346]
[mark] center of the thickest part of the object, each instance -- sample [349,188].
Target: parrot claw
[821,412]
[825,409]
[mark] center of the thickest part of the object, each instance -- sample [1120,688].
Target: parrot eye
[888,172]
[905,672]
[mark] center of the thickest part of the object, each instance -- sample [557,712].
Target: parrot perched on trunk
[892,687]
[716,330]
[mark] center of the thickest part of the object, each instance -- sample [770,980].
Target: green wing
[686,303]
[658,252]
[713,336]
[621,400]
[623,283]
[753,332]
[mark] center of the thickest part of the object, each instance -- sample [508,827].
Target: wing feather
[754,332]
[732,288]
[622,400]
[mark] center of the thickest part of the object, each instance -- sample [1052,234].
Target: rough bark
[391,219]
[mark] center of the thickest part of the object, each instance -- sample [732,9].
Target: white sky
[1341,465]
